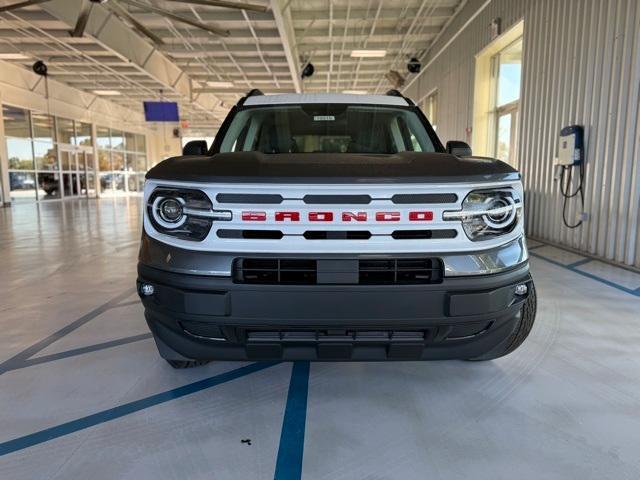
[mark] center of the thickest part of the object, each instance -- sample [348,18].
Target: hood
[404,167]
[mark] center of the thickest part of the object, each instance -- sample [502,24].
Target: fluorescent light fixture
[107,93]
[368,53]
[220,84]
[13,56]
[355,92]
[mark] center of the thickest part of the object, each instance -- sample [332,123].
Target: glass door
[89,179]
[74,172]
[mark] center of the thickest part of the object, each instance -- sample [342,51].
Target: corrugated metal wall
[581,65]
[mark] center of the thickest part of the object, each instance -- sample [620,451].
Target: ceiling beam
[114,35]
[361,15]
[265,89]
[285,27]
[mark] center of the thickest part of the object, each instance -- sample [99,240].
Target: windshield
[326,128]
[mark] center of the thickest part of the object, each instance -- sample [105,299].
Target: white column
[96,173]
[5,189]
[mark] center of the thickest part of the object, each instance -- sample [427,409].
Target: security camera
[40,68]
[308,70]
[414,65]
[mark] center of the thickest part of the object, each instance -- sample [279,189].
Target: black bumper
[206,318]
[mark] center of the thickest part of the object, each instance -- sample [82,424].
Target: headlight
[487,214]
[183,213]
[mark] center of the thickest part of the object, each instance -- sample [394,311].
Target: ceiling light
[220,84]
[368,53]
[355,92]
[13,56]
[107,93]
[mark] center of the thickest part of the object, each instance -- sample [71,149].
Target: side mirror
[458,148]
[195,147]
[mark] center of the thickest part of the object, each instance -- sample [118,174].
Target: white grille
[383,238]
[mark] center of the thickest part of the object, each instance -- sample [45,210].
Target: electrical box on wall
[571,149]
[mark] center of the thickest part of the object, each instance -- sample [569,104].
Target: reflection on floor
[85,395]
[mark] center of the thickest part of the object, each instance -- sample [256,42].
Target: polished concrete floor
[84,395]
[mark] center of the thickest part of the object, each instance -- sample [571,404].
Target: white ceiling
[264,50]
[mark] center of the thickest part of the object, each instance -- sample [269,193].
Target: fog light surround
[521,289]
[146,289]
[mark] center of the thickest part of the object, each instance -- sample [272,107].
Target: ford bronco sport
[333,227]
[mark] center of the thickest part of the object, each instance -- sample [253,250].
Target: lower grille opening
[400,271]
[337,336]
[292,271]
[251,234]
[422,234]
[337,235]
[274,271]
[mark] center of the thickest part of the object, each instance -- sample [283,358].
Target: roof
[263,47]
[297,98]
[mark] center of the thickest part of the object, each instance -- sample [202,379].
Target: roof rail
[251,93]
[396,93]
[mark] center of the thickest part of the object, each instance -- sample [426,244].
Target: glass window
[20,152]
[117,140]
[130,141]
[65,130]
[103,138]
[106,182]
[83,134]
[117,159]
[118,182]
[509,72]
[141,179]
[104,161]
[326,128]
[132,182]
[45,154]
[141,144]
[16,122]
[430,109]
[48,186]
[42,127]
[130,162]
[68,160]
[22,185]
[91,185]
[141,163]
[504,137]
[89,161]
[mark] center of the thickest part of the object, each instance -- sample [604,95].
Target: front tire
[182,364]
[527,317]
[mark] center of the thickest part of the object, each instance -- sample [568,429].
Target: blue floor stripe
[17,360]
[579,262]
[291,449]
[73,426]
[82,350]
[588,275]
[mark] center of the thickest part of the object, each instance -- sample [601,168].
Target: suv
[333,227]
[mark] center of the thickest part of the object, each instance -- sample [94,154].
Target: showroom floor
[83,393]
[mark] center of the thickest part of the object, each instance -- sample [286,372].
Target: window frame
[498,111]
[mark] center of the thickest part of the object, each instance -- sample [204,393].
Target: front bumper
[205,317]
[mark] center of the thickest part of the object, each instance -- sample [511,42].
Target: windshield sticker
[324,118]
